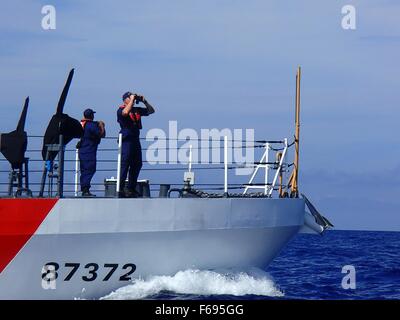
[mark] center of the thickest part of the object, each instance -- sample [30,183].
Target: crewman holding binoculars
[130,120]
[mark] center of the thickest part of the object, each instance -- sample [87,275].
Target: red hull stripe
[19,220]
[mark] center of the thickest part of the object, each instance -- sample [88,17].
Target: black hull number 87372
[91,271]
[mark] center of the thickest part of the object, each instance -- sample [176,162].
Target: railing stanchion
[76,171]
[266,168]
[190,158]
[284,164]
[278,170]
[119,162]
[60,185]
[226,165]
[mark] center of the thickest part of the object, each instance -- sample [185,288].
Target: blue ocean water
[310,267]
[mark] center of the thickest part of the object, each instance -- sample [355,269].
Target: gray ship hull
[86,248]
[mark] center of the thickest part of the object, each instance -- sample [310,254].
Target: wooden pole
[295,187]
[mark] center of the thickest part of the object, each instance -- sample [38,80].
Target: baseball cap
[126,95]
[88,113]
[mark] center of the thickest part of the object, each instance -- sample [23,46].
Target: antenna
[64,93]
[13,146]
[61,124]
[60,131]
[22,119]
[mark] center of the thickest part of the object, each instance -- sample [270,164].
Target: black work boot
[130,193]
[121,195]
[86,193]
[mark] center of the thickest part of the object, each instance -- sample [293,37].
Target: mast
[294,184]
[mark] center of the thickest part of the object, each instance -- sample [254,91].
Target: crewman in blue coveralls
[93,131]
[129,118]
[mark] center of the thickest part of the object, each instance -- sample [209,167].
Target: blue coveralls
[131,157]
[88,151]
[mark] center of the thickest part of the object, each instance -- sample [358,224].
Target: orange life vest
[84,121]
[135,117]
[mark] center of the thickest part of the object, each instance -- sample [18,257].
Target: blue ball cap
[88,113]
[126,95]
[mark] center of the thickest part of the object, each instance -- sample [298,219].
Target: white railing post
[279,167]
[76,171]
[266,168]
[284,163]
[119,162]
[263,158]
[226,165]
[190,158]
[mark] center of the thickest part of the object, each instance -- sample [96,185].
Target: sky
[228,64]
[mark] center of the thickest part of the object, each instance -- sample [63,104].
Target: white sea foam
[222,282]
